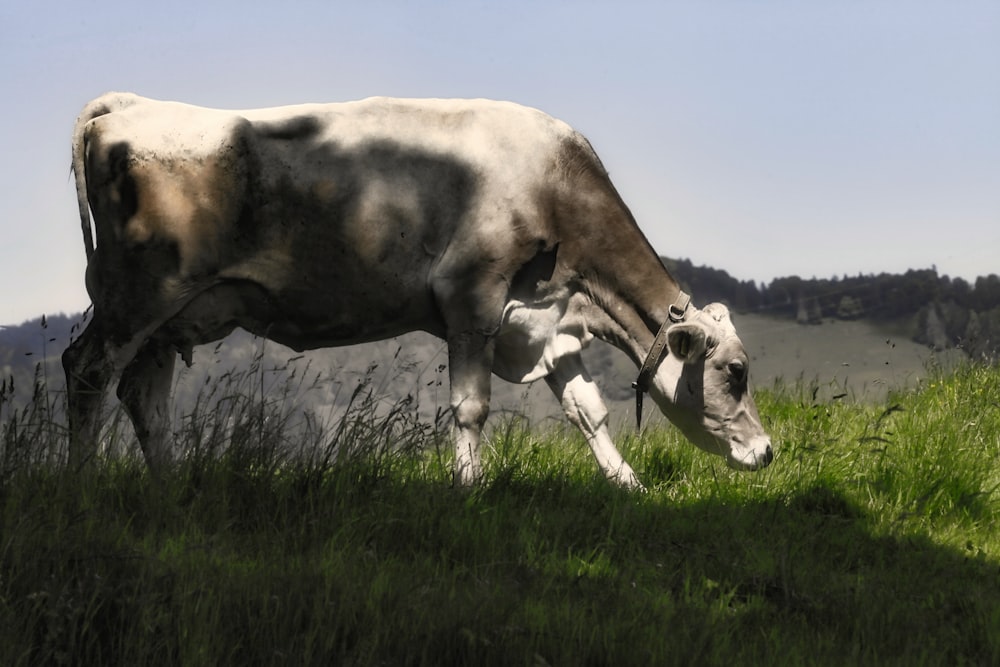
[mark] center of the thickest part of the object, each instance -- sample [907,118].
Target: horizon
[772,139]
[757,285]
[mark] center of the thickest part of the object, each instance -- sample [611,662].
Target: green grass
[872,539]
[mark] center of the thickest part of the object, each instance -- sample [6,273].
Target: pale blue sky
[765,138]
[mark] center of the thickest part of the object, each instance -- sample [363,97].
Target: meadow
[282,538]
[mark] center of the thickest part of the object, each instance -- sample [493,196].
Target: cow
[488,224]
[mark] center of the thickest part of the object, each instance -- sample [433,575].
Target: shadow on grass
[364,566]
[365,555]
[796,580]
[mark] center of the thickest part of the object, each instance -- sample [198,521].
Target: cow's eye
[737,371]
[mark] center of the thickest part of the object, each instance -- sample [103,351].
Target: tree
[809,311]
[850,308]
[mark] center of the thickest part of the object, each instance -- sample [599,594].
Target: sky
[767,138]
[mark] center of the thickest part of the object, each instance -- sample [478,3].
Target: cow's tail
[102,106]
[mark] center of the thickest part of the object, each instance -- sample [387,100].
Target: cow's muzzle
[757,455]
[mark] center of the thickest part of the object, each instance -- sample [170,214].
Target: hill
[935,310]
[873,540]
[860,335]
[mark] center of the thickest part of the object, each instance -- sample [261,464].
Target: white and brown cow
[489,224]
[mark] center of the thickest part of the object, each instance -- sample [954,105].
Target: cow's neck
[631,292]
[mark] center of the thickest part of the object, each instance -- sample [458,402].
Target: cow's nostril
[768,454]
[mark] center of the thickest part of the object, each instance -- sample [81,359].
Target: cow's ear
[688,341]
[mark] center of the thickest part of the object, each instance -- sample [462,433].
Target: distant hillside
[31,351]
[916,312]
[939,311]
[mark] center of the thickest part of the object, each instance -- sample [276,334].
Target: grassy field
[872,539]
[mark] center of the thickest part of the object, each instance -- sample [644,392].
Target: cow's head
[702,387]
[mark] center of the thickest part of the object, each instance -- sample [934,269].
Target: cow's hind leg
[144,391]
[584,407]
[88,371]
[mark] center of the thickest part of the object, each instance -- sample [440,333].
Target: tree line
[940,311]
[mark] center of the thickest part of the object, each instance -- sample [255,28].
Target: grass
[872,539]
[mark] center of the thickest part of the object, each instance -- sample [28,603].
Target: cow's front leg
[144,390]
[470,360]
[584,407]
